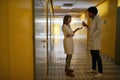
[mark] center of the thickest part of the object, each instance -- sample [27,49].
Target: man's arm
[98,29]
[85,25]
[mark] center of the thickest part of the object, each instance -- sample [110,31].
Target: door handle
[44,41]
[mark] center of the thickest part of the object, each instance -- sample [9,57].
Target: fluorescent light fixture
[66,7]
[73,13]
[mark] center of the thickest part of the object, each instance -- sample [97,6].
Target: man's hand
[84,24]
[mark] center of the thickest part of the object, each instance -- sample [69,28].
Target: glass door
[40,39]
[43,18]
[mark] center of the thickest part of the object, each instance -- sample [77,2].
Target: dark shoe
[69,70]
[70,74]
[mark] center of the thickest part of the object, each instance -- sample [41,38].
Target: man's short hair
[93,10]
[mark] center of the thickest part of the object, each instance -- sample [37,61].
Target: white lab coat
[95,33]
[68,39]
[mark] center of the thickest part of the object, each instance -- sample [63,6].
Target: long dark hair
[65,19]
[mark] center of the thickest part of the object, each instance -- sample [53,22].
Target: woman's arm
[67,31]
[77,29]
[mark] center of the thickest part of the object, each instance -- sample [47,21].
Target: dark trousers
[96,59]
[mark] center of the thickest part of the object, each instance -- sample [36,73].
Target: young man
[95,40]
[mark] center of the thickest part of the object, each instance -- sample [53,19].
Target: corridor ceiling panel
[64,7]
[73,7]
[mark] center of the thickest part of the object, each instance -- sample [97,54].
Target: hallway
[80,63]
[31,46]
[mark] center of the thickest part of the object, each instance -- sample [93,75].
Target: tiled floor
[80,63]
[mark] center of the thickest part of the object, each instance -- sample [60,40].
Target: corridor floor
[81,62]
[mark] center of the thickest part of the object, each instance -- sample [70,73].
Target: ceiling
[64,7]
[72,7]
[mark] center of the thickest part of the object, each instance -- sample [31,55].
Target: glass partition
[43,21]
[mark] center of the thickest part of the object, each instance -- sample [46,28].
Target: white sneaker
[98,75]
[91,71]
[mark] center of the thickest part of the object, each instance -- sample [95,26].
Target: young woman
[68,43]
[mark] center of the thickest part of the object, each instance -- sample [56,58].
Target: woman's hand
[79,28]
